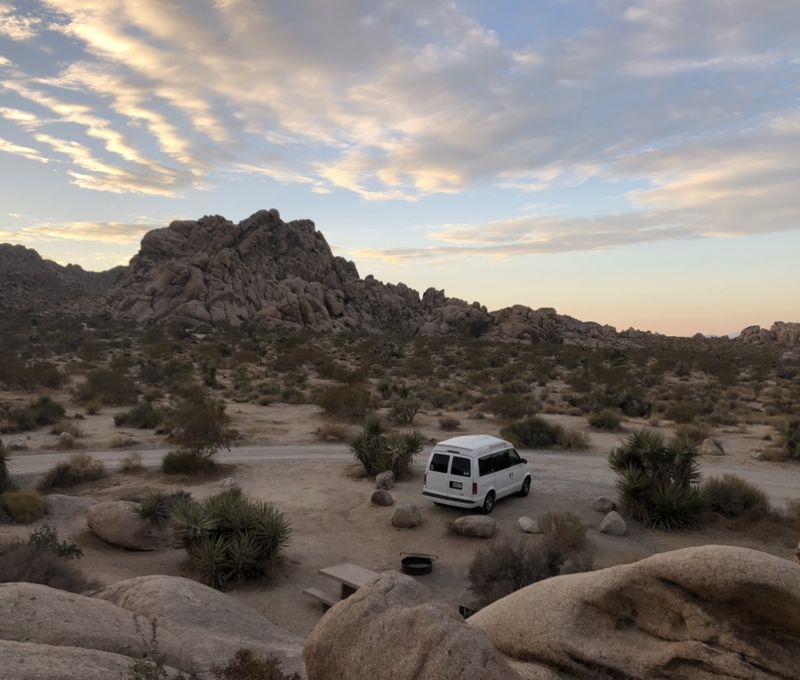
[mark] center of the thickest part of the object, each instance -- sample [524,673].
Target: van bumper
[451,500]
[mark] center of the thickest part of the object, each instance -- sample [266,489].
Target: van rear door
[437,476]
[460,482]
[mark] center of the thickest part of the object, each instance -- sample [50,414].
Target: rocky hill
[275,274]
[29,282]
[781,333]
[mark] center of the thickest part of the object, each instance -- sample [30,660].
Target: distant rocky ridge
[30,283]
[271,274]
[780,333]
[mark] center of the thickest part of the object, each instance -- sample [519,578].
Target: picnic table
[350,576]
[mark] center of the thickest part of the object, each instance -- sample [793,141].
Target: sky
[632,162]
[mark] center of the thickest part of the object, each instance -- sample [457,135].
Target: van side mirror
[524,460]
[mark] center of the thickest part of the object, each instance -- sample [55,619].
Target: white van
[475,471]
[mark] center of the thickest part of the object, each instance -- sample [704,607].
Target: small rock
[529,526]
[382,497]
[604,505]
[407,516]
[18,444]
[613,524]
[712,447]
[66,440]
[758,455]
[384,480]
[227,483]
[475,526]
[61,505]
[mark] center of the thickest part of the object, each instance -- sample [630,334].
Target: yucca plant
[157,507]
[657,481]
[230,539]
[378,452]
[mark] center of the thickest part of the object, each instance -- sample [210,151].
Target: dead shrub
[30,563]
[80,467]
[330,432]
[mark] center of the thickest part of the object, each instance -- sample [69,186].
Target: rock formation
[30,283]
[56,635]
[781,333]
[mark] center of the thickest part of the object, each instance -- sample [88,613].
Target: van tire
[488,503]
[525,489]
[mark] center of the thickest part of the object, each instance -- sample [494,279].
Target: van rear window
[439,462]
[460,467]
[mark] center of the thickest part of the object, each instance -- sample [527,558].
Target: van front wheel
[525,489]
[488,503]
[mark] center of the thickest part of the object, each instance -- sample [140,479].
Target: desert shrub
[449,424]
[657,480]
[201,426]
[47,537]
[5,476]
[564,531]
[93,406]
[402,411]
[791,438]
[80,467]
[144,415]
[157,506]
[512,406]
[499,570]
[22,506]
[733,496]
[186,463]
[635,406]
[230,539]
[330,432]
[606,420]
[350,402]
[131,463]
[572,439]
[694,433]
[245,665]
[153,664]
[43,411]
[684,411]
[379,452]
[112,387]
[25,562]
[68,426]
[532,432]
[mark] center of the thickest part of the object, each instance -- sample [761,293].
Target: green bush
[512,406]
[144,415]
[499,570]
[43,411]
[112,387]
[30,563]
[349,402]
[733,496]
[606,420]
[230,539]
[532,432]
[378,452]
[657,480]
[201,426]
[245,665]
[79,468]
[449,424]
[158,506]
[186,463]
[564,531]
[23,506]
[791,438]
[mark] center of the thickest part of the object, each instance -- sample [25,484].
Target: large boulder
[389,629]
[475,526]
[406,516]
[712,447]
[210,625]
[61,505]
[693,614]
[118,523]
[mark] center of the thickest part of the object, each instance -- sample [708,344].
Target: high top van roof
[473,444]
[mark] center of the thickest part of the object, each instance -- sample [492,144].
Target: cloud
[100,232]
[23,151]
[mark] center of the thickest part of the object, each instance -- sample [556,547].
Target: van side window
[460,467]
[485,465]
[514,457]
[439,462]
[503,461]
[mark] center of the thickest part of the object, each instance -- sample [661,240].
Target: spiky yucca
[378,452]
[230,539]
[657,480]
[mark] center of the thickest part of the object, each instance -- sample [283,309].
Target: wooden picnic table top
[350,574]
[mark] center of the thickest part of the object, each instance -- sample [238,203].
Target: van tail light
[474,488]
[425,480]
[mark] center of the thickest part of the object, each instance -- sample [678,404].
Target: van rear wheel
[488,503]
[525,489]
